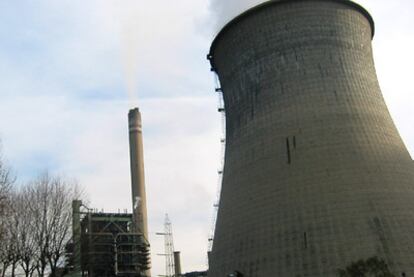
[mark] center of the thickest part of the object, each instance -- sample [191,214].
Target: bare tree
[6,182]
[51,210]
[7,245]
[39,210]
[9,249]
[63,194]
[14,225]
[35,223]
[7,256]
[5,239]
[26,244]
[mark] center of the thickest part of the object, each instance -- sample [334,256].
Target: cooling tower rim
[259,7]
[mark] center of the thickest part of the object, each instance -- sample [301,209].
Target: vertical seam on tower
[288,150]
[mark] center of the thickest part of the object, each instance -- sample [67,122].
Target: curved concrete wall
[316,174]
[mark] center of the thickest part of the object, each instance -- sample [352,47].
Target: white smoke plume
[129,47]
[225,10]
[137,202]
[128,16]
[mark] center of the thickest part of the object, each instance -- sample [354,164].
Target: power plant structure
[137,172]
[139,198]
[316,175]
[114,244]
[106,245]
[172,257]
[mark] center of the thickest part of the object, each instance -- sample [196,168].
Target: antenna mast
[169,247]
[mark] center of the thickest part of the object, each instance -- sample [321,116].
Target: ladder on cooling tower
[222,111]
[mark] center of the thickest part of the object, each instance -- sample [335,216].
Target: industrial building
[195,274]
[114,244]
[316,175]
[105,244]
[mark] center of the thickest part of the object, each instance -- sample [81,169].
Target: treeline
[35,223]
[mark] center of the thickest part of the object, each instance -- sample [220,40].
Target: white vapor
[129,41]
[224,11]
[128,14]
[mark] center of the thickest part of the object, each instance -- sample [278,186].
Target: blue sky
[65,70]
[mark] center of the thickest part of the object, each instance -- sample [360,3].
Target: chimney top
[134,110]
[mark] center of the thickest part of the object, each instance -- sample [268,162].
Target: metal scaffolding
[169,248]
[104,245]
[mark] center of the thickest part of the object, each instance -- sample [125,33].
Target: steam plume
[130,59]
[128,15]
[225,10]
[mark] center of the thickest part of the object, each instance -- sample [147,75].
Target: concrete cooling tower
[316,175]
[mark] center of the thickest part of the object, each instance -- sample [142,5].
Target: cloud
[224,11]
[181,151]
[64,106]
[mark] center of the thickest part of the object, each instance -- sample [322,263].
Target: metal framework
[105,245]
[169,248]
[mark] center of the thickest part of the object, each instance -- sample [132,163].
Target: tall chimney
[177,264]
[139,203]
